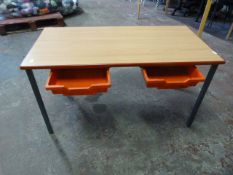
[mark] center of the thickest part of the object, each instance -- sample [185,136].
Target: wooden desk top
[118,46]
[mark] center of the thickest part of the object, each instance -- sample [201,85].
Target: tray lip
[159,81]
[67,89]
[51,87]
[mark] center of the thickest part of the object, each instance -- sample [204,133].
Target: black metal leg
[39,100]
[205,86]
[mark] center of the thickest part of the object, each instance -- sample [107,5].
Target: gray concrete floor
[129,130]
[219,27]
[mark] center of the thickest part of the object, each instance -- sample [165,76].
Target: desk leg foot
[201,96]
[39,100]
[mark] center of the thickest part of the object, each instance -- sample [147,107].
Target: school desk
[91,51]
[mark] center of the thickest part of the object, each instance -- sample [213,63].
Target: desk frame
[189,121]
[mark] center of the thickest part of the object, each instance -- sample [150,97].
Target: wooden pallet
[32,23]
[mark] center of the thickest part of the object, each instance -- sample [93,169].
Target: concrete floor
[129,130]
[219,28]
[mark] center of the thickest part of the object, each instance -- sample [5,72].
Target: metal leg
[166,6]
[204,18]
[139,8]
[39,100]
[205,86]
[229,32]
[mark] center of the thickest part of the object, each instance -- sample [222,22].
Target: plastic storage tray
[172,77]
[78,81]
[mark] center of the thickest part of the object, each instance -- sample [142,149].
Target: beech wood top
[118,46]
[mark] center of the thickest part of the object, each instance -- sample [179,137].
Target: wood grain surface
[118,46]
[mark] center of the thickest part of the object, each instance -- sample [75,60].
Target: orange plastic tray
[78,81]
[172,77]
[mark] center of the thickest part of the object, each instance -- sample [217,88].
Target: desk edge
[22,67]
